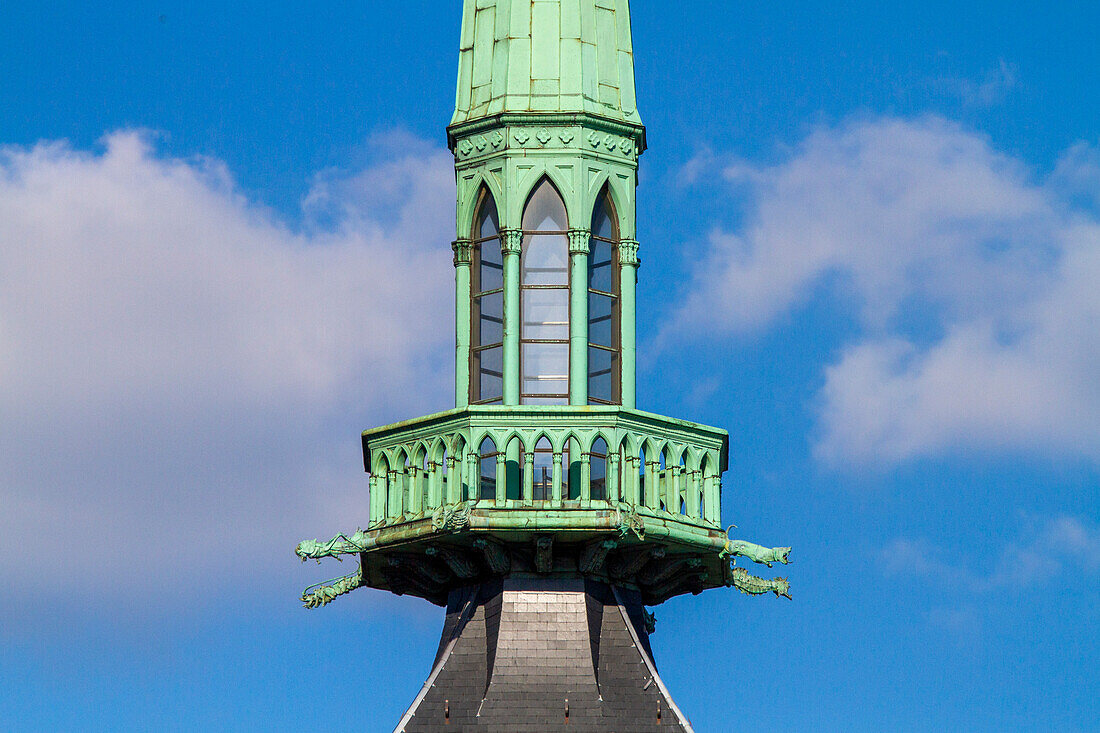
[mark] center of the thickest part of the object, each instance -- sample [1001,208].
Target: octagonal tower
[545,511]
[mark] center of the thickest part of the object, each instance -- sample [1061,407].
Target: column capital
[579,241]
[628,252]
[463,249]
[511,240]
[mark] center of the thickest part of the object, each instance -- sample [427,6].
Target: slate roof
[539,655]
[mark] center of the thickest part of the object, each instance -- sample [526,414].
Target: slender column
[628,282]
[555,480]
[528,476]
[435,484]
[652,484]
[510,245]
[462,260]
[613,477]
[393,489]
[578,316]
[376,510]
[453,488]
[416,490]
[502,478]
[714,500]
[471,477]
[672,501]
[586,478]
[633,480]
[691,488]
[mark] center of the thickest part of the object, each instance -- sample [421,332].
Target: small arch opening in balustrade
[382,486]
[682,478]
[487,481]
[400,486]
[704,476]
[663,481]
[418,481]
[641,476]
[597,463]
[542,471]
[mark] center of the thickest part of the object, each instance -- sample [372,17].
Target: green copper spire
[545,482]
[546,56]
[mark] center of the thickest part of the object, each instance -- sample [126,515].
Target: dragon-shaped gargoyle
[740,579]
[339,545]
[756,553]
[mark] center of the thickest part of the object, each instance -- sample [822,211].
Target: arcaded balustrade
[561,457]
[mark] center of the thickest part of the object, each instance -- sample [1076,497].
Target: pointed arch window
[544,300]
[604,350]
[487,308]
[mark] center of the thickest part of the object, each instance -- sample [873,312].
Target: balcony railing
[545,458]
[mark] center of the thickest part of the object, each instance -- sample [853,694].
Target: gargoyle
[740,579]
[325,593]
[756,553]
[339,545]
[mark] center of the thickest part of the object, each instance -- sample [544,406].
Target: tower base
[539,654]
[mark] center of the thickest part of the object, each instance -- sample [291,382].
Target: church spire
[546,56]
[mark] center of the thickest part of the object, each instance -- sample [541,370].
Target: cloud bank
[973,284]
[183,374]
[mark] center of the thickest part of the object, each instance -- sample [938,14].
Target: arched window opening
[641,477]
[382,485]
[487,308]
[704,472]
[682,477]
[544,300]
[604,370]
[543,471]
[597,463]
[488,481]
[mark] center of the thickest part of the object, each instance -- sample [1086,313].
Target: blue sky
[871,241]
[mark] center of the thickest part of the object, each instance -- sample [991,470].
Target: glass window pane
[603,374]
[547,365]
[487,370]
[488,482]
[545,259]
[598,470]
[543,471]
[545,314]
[491,269]
[545,210]
[601,273]
[602,328]
[546,400]
[488,319]
[602,225]
[487,225]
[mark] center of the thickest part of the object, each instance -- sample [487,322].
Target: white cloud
[992,89]
[183,375]
[1037,556]
[973,283]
